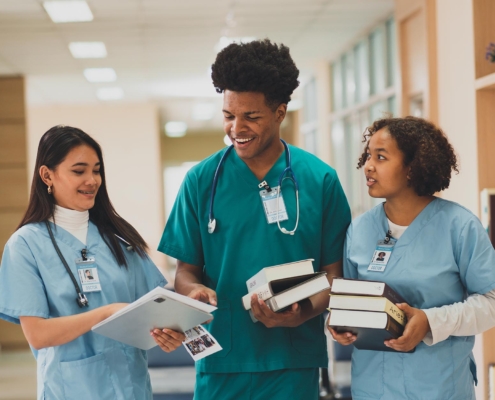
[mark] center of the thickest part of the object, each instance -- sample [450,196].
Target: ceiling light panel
[110,93]
[88,49]
[100,75]
[175,128]
[68,11]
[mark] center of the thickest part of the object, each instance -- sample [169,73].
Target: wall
[456,96]
[192,147]
[129,137]
[13,179]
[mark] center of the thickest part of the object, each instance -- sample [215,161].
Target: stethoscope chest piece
[212,224]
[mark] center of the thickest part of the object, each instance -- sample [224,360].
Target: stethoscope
[287,173]
[81,298]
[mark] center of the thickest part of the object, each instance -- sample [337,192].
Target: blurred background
[135,75]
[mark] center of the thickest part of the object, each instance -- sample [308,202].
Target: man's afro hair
[257,66]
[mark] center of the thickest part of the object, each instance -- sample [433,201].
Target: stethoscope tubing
[287,170]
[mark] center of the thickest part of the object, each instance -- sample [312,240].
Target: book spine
[395,312]
[263,293]
[256,281]
[394,327]
[392,295]
[272,304]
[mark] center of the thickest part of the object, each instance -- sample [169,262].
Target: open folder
[160,308]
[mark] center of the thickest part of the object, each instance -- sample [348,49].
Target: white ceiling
[162,49]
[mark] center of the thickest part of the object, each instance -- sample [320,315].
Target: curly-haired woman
[442,263]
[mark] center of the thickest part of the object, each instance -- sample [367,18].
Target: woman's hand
[167,339]
[344,338]
[416,328]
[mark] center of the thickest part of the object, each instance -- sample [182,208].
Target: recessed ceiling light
[68,11]
[88,49]
[203,111]
[100,74]
[110,93]
[175,128]
[225,41]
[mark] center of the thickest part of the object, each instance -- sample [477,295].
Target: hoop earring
[49,190]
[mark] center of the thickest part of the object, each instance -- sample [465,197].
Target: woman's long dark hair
[54,146]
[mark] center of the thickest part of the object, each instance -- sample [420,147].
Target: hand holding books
[371,315]
[274,293]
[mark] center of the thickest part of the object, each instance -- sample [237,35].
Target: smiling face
[252,126]
[76,180]
[386,175]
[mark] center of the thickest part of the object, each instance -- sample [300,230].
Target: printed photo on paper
[200,343]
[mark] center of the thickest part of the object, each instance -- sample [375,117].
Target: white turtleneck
[74,222]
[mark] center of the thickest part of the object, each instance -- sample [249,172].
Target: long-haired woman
[72,262]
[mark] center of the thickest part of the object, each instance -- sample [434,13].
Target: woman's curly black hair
[257,66]
[427,152]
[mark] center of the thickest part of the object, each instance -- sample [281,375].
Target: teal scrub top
[441,258]
[34,282]
[244,243]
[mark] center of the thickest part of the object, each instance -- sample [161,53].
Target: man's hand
[290,318]
[416,328]
[204,294]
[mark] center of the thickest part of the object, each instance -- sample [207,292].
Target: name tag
[273,205]
[381,255]
[88,275]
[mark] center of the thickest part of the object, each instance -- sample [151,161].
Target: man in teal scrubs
[278,357]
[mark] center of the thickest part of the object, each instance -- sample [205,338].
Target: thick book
[281,271]
[160,308]
[308,288]
[367,303]
[372,328]
[365,288]
[276,286]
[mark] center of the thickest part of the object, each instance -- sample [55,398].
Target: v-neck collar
[413,230]
[70,240]
[248,176]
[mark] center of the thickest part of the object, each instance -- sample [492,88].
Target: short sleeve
[22,291]
[336,219]
[475,257]
[151,277]
[350,269]
[181,238]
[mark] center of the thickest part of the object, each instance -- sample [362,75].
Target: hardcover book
[317,283]
[281,271]
[276,286]
[367,303]
[372,328]
[365,288]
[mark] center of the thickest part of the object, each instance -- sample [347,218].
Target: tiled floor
[17,375]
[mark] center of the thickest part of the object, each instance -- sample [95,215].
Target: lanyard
[81,299]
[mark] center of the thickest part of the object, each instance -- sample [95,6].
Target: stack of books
[282,285]
[368,310]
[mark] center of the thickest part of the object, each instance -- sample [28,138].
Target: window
[363,90]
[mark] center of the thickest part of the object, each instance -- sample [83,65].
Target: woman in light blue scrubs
[442,263]
[72,262]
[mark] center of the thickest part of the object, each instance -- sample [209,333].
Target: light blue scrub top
[34,282]
[244,243]
[442,257]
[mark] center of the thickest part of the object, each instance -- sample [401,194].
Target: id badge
[269,200]
[381,256]
[88,275]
